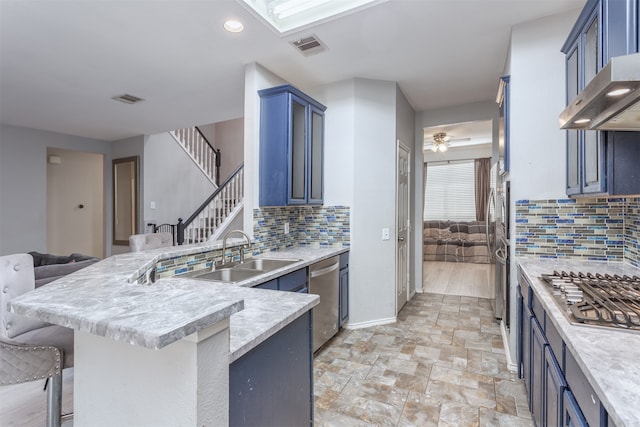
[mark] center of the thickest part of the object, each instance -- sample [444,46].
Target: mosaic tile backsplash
[308,226]
[595,229]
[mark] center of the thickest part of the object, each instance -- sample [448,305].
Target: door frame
[407,149]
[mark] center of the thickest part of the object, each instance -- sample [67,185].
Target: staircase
[203,154]
[223,205]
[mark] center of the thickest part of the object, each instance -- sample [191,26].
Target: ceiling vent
[309,45]
[128,99]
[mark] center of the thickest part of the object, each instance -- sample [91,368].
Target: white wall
[338,142]
[538,159]
[460,153]
[74,182]
[171,181]
[230,140]
[23,185]
[256,78]
[372,260]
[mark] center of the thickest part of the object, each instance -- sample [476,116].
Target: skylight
[289,15]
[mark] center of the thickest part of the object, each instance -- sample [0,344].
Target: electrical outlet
[385,234]
[286,228]
[152,205]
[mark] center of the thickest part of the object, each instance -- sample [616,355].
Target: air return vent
[309,45]
[128,99]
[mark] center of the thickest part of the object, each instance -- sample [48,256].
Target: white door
[75,209]
[402,219]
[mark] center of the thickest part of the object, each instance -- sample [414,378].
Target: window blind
[450,192]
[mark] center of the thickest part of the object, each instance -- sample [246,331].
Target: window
[450,191]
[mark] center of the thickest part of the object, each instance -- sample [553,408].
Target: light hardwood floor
[25,405]
[459,278]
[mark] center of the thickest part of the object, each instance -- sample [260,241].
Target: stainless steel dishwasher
[324,280]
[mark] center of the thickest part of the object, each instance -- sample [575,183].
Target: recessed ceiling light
[581,121]
[619,92]
[233,26]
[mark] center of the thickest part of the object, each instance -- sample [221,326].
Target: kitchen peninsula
[161,353]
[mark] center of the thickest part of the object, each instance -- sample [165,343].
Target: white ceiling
[62,61]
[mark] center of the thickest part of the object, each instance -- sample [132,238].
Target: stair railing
[210,215]
[201,151]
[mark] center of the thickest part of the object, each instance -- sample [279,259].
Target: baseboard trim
[368,324]
[512,365]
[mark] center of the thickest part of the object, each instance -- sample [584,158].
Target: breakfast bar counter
[160,333]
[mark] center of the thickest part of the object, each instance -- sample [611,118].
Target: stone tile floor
[441,364]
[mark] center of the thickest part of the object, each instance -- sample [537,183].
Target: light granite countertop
[102,299]
[608,357]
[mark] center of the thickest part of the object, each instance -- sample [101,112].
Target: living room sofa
[48,268]
[456,241]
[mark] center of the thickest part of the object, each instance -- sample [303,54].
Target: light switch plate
[286,228]
[385,234]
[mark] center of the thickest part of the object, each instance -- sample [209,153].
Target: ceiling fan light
[434,148]
[442,148]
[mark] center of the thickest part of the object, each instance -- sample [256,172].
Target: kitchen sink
[230,275]
[237,272]
[265,264]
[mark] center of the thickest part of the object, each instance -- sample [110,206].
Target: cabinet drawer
[555,342]
[582,391]
[537,310]
[293,281]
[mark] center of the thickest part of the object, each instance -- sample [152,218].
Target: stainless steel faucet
[242,248]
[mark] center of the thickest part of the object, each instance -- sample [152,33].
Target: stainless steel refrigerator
[497,230]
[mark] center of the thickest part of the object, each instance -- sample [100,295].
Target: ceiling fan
[441,141]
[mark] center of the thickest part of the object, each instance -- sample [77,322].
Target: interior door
[402,226]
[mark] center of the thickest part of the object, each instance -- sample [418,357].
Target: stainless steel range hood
[597,106]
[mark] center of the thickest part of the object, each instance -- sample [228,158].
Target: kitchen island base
[185,383]
[272,385]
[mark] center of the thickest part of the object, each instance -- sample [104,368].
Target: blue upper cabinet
[604,29]
[291,147]
[504,124]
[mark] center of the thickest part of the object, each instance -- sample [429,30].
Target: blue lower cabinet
[262,391]
[526,350]
[271,284]
[344,296]
[538,343]
[293,282]
[555,386]
[572,416]
[519,323]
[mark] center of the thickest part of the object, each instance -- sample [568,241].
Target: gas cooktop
[597,299]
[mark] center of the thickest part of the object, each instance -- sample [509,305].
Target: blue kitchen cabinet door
[519,323]
[572,416]
[293,282]
[504,104]
[291,148]
[271,284]
[555,385]
[538,343]
[262,391]
[526,349]
[344,296]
